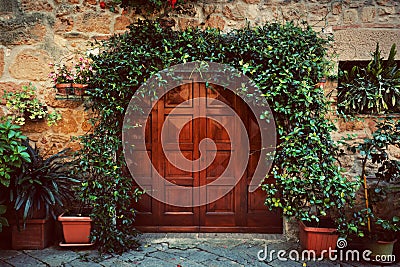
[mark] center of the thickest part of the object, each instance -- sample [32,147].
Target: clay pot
[79,89]
[63,88]
[76,229]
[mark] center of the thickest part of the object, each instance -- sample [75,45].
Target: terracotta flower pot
[318,238]
[79,89]
[63,88]
[76,229]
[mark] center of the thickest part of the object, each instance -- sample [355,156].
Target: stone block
[394,152]
[2,63]
[387,2]
[31,64]
[215,22]
[184,23]
[383,11]
[121,23]
[350,125]
[358,3]
[235,12]
[350,16]
[25,29]
[93,22]
[67,124]
[336,8]
[64,24]
[368,14]
[38,6]
[35,127]
[186,9]
[64,10]
[74,145]
[209,9]
[251,1]
[86,126]
[350,44]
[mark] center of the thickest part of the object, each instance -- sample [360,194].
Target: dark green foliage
[41,184]
[12,152]
[285,61]
[372,89]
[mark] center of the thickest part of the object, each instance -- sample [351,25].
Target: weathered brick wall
[39,32]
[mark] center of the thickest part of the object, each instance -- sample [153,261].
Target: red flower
[102,5]
[172,2]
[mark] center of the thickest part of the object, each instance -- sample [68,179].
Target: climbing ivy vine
[286,61]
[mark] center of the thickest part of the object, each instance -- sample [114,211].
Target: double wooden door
[237,210]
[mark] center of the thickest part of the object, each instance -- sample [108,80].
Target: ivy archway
[285,61]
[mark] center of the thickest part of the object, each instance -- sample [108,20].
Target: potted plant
[379,221]
[76,221]
[25,106]
[309,186]
[62,78]
[83,71]
[37,190]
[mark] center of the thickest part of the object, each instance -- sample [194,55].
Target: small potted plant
[379,221]
[62,78]
[35,193]
[24,105]
[83,71]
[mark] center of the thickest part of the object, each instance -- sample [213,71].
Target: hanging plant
[25,106]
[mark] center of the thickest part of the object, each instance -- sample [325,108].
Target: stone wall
[40,32]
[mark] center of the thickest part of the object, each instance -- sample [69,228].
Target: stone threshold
[267,237]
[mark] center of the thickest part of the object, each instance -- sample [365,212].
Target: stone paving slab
[53,256]
[4,264]
[171,252]
[24,260]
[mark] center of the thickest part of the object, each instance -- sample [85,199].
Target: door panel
[237,210]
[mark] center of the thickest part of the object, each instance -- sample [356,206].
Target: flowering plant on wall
[61,74]
[82,71]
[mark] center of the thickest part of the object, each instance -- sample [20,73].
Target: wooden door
[238,210]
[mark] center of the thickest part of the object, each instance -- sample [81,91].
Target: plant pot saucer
[61,244]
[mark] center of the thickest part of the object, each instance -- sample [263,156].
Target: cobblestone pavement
[159,251]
